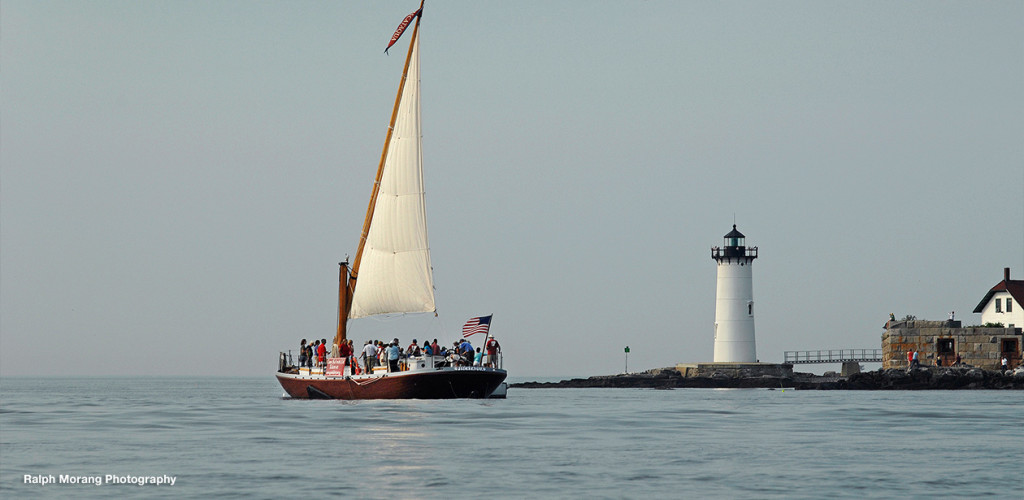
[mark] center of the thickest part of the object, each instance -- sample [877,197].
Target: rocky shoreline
[923,378]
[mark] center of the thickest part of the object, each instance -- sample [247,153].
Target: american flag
[476,325]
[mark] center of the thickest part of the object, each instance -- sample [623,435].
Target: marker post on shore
[627,359]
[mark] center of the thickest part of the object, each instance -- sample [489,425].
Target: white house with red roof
[944,343]
[1004,303]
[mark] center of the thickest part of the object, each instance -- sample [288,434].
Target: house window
[1009,304]
[999,306]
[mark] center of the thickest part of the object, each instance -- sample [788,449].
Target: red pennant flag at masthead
[401,28]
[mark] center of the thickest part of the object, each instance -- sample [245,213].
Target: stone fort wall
[977,346]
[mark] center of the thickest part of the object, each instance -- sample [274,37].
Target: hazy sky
[180,178]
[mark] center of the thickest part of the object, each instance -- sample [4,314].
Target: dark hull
[443,383]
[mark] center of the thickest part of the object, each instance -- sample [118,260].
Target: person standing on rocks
[1006,364]
[915,362]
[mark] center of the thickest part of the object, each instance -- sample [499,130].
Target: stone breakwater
[924,378]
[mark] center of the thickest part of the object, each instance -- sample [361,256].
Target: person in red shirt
[321,353]
[345,351]
[414,349]
[493,348]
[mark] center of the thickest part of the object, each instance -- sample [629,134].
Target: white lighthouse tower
[734,300]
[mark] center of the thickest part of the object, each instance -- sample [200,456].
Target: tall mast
[344,301]
[344,298]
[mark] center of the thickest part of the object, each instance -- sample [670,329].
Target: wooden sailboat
[391,272]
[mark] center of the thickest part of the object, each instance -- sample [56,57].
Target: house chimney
[1006,274]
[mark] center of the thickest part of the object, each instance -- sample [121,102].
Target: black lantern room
[734,246]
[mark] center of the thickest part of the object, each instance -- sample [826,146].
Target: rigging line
[366,382]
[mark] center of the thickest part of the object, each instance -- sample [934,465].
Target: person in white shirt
[369,356]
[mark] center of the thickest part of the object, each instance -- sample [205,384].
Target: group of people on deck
[378,353]
[313,352]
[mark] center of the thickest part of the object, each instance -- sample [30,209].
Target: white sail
[395,274]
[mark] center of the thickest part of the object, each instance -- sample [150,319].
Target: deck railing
[285,361]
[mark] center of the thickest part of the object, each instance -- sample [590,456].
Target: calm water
[236,437]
